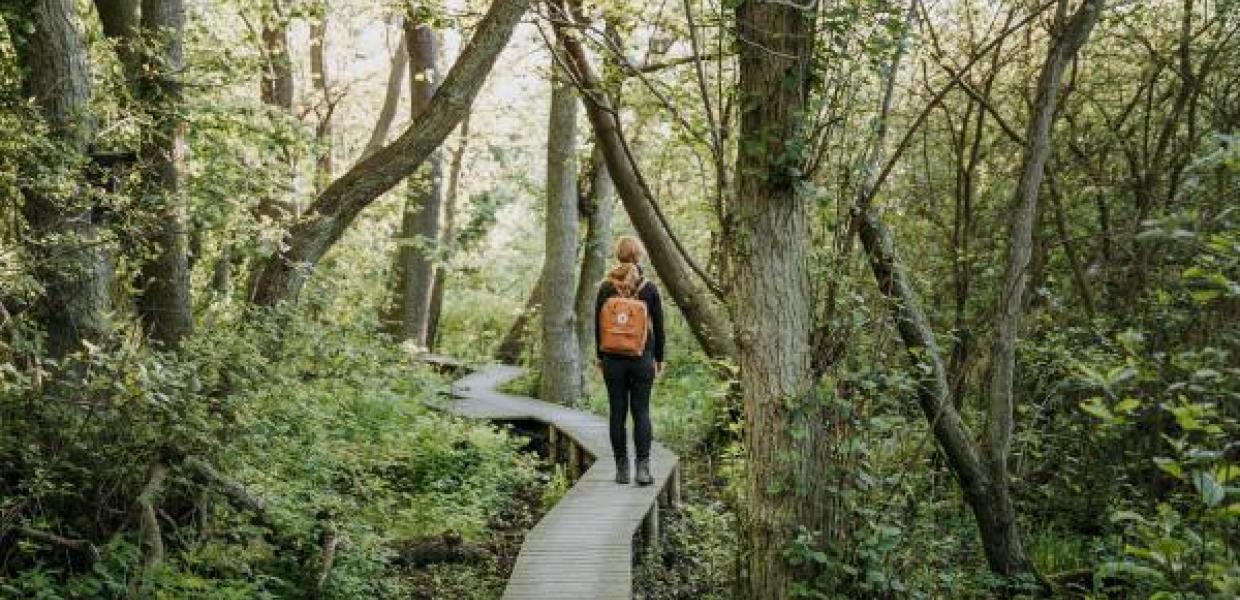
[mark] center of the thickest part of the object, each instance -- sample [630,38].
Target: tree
[391,97]
[981,469]
[560,376]
[164,290]
[277,87]
[281,277]
[65,241]
[419,229]
[788,433]
[120,21]
[596,206]
[1000,531]
[325,106]
[447,239]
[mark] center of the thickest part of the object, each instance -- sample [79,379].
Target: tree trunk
[419,228]
[327,104]
[788,437]
[513,345]
[447,240]
[120,24]
[704,313]
[597,206]
[993,509]
[282,276]
[986,487]
[391,97]
[1007,555]
[277,85]
[560,380]
[68,257]
[276,89]
[164,303]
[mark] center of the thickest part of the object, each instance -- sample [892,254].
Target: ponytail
[625,278]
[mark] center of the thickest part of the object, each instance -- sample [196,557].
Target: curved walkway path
[582,549]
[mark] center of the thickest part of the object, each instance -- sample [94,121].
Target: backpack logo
[622,318]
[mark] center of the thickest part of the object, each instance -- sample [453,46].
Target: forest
[952,293]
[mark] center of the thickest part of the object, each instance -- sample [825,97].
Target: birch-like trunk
[560,380]
[447,238]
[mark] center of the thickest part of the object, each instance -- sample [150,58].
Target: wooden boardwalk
[582,549]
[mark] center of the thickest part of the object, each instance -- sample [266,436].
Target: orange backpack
[624,324]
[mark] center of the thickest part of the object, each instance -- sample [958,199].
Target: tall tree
[419,229]
[281,277]
[596,206]
[447,238]
[164,288]
[120,20]
[560,378]
[787,437]
[1004,546]
[391,97]
[69,259]
[277,87]
[325,106]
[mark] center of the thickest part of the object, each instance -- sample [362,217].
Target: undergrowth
[324,423]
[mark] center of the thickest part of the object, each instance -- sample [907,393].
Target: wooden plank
[583,547]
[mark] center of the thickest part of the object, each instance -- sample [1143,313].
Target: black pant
[629,381]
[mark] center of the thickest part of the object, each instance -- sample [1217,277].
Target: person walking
[628,329]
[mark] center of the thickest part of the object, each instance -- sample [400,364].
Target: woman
[630,360]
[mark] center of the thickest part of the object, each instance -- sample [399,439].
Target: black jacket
[654,307]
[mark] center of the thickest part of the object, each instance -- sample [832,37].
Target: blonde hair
[625,276]
[629,250]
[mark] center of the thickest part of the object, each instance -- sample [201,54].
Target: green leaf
[1211,492]
[1095,407]
[1170,466]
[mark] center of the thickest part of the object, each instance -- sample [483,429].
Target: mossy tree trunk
[69,257]
[788,437]
[164,288]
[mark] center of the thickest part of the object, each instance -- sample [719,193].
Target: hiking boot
[643,473]
[622,470]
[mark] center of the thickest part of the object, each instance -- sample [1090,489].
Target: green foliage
[697,556]
[1176,539]
[326,423]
